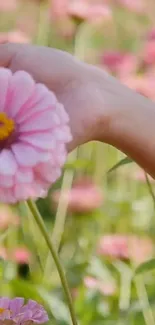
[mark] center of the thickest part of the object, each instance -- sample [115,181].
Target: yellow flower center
[7,126]
[2,310]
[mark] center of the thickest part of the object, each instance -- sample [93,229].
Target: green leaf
[57,307]
[145,267]
[122,162]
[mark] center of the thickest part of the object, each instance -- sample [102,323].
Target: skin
[99,106]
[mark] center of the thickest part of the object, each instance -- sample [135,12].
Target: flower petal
[8,165]
[42,140]
[40,122]
[6,181]
[15,306]
[24,175]
[22,86]
[41,100]
[5,75]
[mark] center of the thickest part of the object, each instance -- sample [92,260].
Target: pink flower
[149,53]
[8,5]
[58,8]
[84,197]
[114,246]
[21,255]
[33,137]
[151,35]
[82,9]
[107,289]
[7,218]
[143,85]
[137,6]
[121,64]
[126,247]
[15,36]
[14,312]
[89,11]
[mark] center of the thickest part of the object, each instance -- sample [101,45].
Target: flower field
[100,213]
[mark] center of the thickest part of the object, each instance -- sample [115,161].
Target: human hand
[69,78]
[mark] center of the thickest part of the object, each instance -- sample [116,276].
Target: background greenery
[119,294]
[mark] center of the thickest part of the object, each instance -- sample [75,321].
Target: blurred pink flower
[58,9]
[107,289]
[21,255]
[33,136]
[15,36]
[143,85]
[149,53]
[8,5]
[121,64]
[85,196]
[7,218]
[84,9]
[151,35]
[90,11]
[114,246]
[137,6]
[126,247]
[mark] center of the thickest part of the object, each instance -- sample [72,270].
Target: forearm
[130,120]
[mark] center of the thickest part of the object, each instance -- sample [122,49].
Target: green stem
[144,301]
[150,188]
[46,236]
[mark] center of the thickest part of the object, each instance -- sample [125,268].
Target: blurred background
[102,223]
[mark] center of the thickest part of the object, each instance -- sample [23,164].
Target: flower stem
[46,236]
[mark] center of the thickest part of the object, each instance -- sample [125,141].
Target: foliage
[106,289]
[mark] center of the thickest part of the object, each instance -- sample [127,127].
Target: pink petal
[24,175]
[41,100]
[43,121]
[41,140]
[8,165]
[22,86]
[26,155]
[7,196]
[63,134]
[5,76]
[16,305]
[62,113]
[48,172]
[6,181]
[28,191]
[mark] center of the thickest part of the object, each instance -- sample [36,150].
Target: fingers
[7,52]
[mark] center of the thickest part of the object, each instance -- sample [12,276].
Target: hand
[69,78]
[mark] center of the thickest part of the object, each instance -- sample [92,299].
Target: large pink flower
[33,135]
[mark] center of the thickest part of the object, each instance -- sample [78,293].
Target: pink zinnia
[21,255]
[84,197]
[149,53]
[131,247]
[14,312]
[90,11]
[107,289]
[33,137]
[137,6]
[8,5]
[14,36]
[122,64]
